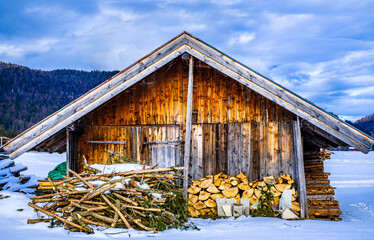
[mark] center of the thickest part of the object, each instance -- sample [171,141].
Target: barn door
[208,150]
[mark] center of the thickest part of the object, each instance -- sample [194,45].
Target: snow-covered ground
[351,172]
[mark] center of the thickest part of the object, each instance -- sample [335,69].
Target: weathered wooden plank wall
[234,128]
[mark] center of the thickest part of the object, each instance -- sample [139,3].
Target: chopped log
[257,193]
[205,211]
[199,205]
[279,180]
[281,187]
[193,212]
[210,203]
[323,204]
[204,195]
[194,190]
[261,185]
[243,186]
[329,212]
[193,198]
[286,177]
[224,185]
[206,183]
[275,192]
[217,180]
[269,180]
[242,177]
[253,199]
[233,181]
[196,183]
[248,193]
[295,206]
[231,192]
[216,196]
[213,189]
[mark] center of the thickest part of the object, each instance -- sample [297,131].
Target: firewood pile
[148,200]
[203,193]
[320,194]
[11,177]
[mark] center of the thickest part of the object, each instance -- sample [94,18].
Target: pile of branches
[148,200]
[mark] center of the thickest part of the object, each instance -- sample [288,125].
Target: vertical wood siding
[234,128]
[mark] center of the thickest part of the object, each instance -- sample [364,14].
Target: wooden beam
[300,172]
[187,142]
[71,151]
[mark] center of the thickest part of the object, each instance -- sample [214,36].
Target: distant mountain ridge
[29,95]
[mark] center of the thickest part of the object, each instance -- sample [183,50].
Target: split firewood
[213,189]
[199,205]
[231,192]
[244,186]
[210,203]
[206,183]
[248,193]
[193,212]
[281,187]
[226,184]
[194,190]
[193,198]
[253,199]
[286,177]
[269,180]
[217,180]
[216,196]
[204,195]
[242,177]
[233,181]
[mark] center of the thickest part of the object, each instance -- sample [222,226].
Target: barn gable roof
[186,43]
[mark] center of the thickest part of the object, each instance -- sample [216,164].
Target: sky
[321,50]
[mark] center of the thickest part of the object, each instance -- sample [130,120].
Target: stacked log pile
[203,192]
[320,194]
[148,200]
[11,178]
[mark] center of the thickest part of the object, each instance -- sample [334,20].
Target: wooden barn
[188,104]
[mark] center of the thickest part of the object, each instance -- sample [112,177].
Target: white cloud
[242,38]
[16,52]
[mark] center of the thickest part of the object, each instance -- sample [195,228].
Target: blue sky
[322,50]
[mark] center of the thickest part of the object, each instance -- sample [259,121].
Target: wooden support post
[300,172]
[187,142]
[71,151]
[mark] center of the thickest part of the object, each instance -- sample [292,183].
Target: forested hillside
[28,95]
[366,124]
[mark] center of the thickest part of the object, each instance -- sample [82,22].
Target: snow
[351,172]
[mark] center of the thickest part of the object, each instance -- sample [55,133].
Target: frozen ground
[351,172]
